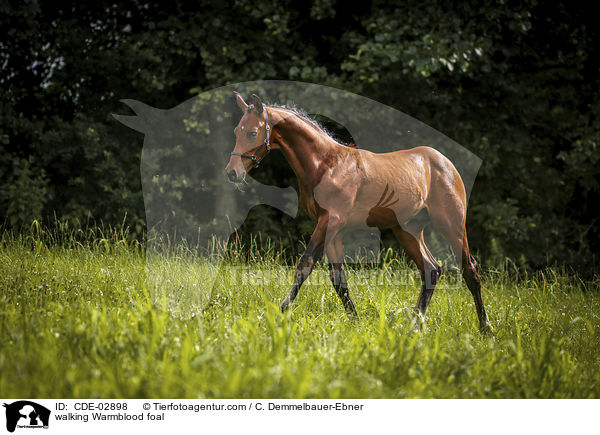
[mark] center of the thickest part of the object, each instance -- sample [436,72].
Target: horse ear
[240,102]
[257,103]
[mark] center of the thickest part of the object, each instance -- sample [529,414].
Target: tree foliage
[515,83]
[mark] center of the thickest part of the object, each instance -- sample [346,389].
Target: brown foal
[338,185]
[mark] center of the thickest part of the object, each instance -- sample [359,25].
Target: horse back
[419,178]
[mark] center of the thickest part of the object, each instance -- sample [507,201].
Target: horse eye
[252,134]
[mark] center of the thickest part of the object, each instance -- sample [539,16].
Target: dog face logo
[26,414]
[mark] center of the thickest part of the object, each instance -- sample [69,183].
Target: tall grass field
[94,315]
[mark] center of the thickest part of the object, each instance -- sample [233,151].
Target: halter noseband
[254,156]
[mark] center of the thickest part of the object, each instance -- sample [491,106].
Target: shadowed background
[516,84]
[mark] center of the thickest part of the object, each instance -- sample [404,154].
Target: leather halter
[255,160]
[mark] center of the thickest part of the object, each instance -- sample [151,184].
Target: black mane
[303,115]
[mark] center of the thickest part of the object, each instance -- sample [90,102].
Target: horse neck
[304,146]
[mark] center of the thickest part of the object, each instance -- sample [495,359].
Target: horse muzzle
[232,175]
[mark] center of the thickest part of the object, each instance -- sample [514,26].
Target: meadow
[94,315]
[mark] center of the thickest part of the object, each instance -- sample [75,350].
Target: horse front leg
[337,274]
[314,251]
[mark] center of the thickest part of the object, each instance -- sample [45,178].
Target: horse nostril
[232,176]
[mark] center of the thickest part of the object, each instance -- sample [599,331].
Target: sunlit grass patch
[100,317]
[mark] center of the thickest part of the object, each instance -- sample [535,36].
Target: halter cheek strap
[255,160]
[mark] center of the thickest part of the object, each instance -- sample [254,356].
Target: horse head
[251,139]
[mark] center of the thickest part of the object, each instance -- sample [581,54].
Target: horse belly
[393,191]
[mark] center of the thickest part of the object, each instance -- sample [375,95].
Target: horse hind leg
[450,221]
[432,273]
[430,269]
[471,277]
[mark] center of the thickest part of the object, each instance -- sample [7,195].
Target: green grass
[92,316]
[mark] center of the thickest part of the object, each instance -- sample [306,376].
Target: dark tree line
[517,83]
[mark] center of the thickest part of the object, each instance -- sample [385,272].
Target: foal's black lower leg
[471,276]
[429,278]
[414,245]
[338,279]
[303,270]
[314,251]
[337,274]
